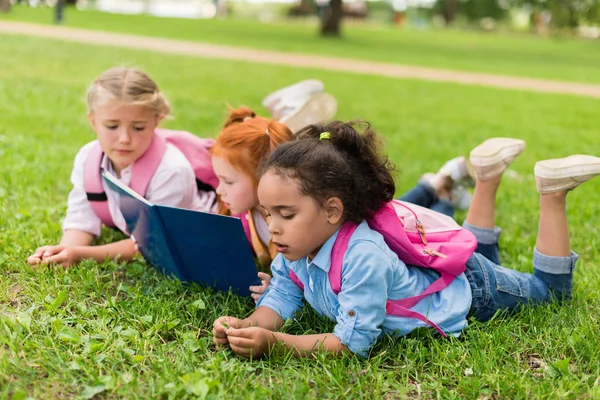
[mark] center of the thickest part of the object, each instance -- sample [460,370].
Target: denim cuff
[484,235]
[554,265]
[426,186]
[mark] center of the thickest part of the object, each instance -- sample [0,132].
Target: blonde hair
[129,85]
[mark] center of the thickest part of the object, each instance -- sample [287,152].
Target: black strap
[203,187]
[96,196]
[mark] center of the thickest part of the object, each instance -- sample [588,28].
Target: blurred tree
[331,19]
[448,9]
[5,6]
[475,10]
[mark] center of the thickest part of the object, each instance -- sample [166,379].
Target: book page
[116,185]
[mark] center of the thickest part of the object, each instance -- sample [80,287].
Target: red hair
[246,139]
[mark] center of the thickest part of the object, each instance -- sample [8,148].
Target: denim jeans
[496,288]
[424,195]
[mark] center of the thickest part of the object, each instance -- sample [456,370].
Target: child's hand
[61,255]
[221,325]
[249,342]
[257,291]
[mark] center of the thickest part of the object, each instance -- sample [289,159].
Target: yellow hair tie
[325,136]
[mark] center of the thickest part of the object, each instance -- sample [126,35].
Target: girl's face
[235,189]
[299,226]
[124,131]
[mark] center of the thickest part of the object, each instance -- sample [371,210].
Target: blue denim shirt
[371,274]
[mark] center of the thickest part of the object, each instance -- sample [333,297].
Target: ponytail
[341,160]
[246,139]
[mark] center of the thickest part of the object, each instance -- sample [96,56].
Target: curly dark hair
[349,165]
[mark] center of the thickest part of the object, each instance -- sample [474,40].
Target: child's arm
[75,246]
[254,336]
[255,341]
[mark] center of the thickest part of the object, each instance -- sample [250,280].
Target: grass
[522,55]
[121,330]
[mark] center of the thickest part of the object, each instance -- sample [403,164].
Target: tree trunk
[5,6]
[450,11]
[331,19]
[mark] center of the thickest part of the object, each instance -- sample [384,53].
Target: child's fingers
[220,341]
[242,351]
[266,278]
[257,289]
[34,260]
[256,297]
[57,259]
[39,251]
[239,341]
[52,251]
[246,333]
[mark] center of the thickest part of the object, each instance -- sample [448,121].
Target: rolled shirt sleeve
[282,296]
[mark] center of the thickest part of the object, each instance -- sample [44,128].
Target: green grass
[124,331]
[521,55]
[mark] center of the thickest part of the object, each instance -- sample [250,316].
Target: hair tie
[325,136]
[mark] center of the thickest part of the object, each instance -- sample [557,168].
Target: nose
[124,135]
[219,189]
[274,227]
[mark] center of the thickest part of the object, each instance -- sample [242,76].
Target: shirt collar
[323,258]
[106,165]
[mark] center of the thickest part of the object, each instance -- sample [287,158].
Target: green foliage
[474,10]
[565,13]
[122,330]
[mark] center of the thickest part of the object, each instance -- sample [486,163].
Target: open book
[191,245]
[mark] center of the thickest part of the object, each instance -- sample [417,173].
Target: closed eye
[288,216]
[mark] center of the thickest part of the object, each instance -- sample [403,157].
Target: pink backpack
[195,149]
[418,236]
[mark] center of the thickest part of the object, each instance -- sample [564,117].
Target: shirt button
[351,313]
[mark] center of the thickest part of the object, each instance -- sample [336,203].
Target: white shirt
[262,228]
[173,184]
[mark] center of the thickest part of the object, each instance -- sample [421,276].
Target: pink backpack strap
[398,308]
[145,167]
[340,246]
[296,280]
[92,183]
[399,311]
[142,172]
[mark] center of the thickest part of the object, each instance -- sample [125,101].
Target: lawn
[521,55]
[121,330]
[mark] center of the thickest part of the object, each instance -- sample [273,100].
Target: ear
[335,210]
[91,120]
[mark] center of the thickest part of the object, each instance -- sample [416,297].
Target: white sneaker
[460,170]
[461,197]
[287,100]
[562,174]
[320,107]
[491,158]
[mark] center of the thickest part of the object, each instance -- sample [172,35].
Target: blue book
[191,245]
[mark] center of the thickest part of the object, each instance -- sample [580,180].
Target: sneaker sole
[309,86]
[320,107]
[494,151]
[570,167]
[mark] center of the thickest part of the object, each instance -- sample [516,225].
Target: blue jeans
[424,195]
[496,288]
